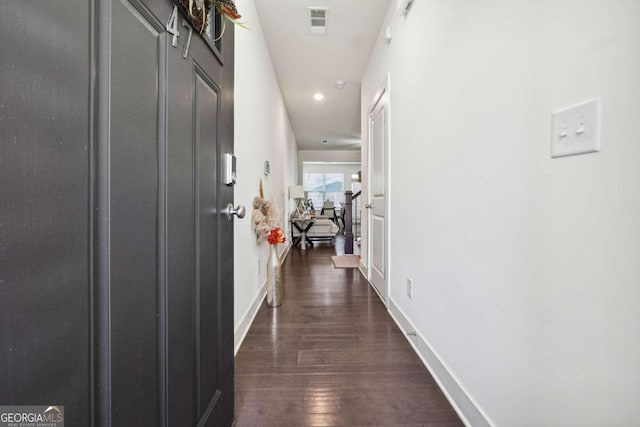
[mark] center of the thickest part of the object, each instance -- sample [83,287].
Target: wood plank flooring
[332,356]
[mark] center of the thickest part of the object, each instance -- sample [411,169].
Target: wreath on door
[198,12]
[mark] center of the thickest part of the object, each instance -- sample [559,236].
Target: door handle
[368,205]
[240,211]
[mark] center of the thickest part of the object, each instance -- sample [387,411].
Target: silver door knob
[368,205]
[240,211]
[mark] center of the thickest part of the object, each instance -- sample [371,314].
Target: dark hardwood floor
[332,356]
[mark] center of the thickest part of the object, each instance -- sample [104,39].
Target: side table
[303,226]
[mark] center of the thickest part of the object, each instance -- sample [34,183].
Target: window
[324,186]
[214,31]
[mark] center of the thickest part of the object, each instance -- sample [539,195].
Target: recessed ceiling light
[318,96]
[340,84]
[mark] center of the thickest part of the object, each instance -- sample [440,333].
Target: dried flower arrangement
[198,12]
[264,221]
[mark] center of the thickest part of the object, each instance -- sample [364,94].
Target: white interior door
[377,205]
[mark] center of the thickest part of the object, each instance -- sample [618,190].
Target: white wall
[262,132]
[526,269]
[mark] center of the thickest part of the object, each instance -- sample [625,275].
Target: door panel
[378,195]
[206,229]
[377,257]
[378,154]
[181,241]
[133,223]
[45,206]
[192,156]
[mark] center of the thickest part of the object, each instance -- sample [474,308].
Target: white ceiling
[306,64]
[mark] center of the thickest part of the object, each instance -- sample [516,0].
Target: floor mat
[346,261]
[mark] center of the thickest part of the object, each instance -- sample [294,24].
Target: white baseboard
[286,251]
[363,269]
[250,314]
[462,402]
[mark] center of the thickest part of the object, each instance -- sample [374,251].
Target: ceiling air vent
[318,20]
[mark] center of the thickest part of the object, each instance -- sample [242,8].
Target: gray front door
[116,293]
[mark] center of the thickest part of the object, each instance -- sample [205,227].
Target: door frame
[383,94]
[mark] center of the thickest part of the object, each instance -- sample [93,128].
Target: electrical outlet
[409,288]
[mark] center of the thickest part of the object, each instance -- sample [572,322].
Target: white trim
[467,409]
[382,96]
[378,293]
[286,251]
[363,269]
[388,196]
[249,316]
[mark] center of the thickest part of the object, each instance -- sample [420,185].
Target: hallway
[332,355]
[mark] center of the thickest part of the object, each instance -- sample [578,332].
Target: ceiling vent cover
[318,20]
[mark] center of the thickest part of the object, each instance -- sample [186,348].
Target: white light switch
[576,129]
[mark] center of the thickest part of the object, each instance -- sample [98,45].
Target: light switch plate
[576,129]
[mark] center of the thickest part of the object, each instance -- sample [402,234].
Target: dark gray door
[142,287]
